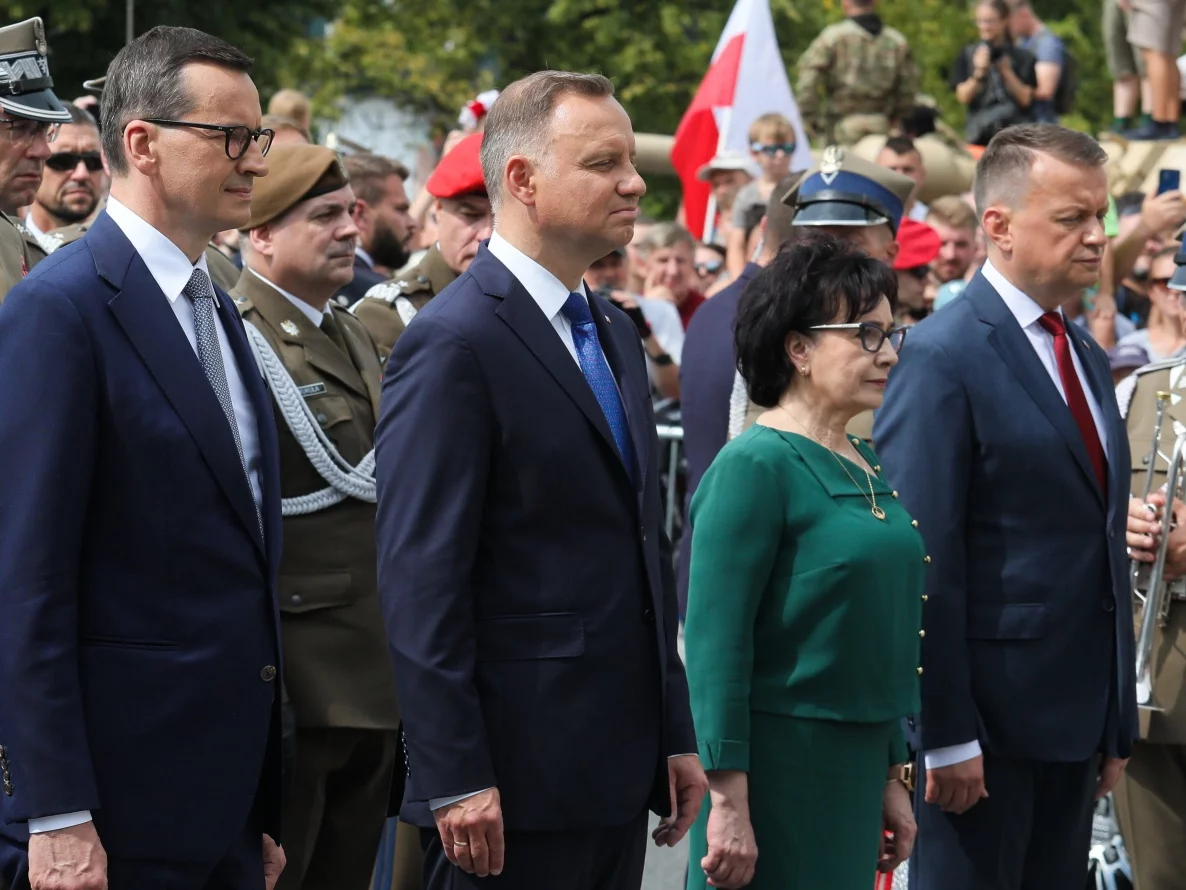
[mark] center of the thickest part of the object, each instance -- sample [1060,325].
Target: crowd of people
[326,500]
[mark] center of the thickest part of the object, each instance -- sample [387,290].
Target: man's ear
[998,229]
[519,180]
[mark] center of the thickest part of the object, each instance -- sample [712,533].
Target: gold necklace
[871,497]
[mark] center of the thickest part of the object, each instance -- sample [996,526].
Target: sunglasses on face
[68,161]
[919,272]
[787,148]
[709,268]
[238,138]
[871,336]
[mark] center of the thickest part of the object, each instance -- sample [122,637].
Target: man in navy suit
[1001,431]
[709,367]
[523,568]
[140,513]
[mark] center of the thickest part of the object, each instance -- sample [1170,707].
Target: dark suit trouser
[1151,809]
[588,859]
[1032,832]
[338,804]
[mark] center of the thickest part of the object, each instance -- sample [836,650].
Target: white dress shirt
[171,270]
[310,312]
[1027,313]
[32,227]
[550,295]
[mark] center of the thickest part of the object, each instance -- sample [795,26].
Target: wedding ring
[460,844]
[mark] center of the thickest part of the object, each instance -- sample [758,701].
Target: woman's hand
[981,58]
[898,820]
[732,850]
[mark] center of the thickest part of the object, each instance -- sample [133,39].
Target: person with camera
[994,79]
[657,321]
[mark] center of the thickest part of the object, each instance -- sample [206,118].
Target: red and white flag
[746,79]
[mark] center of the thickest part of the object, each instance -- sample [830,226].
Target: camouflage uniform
[852,83]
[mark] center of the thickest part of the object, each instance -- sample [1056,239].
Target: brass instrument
[1154,593]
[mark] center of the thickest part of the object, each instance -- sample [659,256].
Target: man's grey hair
[80,116]
[146,80]
[519,120]
[1003,171]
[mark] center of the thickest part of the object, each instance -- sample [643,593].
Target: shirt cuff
[437,803]
[950,756]
[689,754]
[43,824]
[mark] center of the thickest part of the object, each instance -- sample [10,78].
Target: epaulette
[1160,366]
[48,241]
[388,291]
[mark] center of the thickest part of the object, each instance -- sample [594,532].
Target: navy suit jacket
[1028,617]
[526,581]
[137,598]
[706,378]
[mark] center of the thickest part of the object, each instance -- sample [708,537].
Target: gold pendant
[879,513]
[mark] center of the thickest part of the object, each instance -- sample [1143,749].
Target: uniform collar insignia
[290,327]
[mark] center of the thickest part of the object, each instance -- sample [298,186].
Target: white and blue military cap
[846,190]
[26,89]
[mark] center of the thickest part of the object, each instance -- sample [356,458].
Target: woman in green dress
[805,597]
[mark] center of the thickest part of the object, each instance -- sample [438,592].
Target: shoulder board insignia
[49,242]
[388,291]
[1160,366]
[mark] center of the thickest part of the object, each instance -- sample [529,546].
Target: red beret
[459,172]
[918,245]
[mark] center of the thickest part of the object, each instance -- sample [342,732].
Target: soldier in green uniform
[854,199]
[1151,795]
[856,78]
[30,115]
[323,371]
[463,219]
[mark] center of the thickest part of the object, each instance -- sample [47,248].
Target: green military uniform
[842,192]
[324,377]
[854,82]
[1151,795]
[223,272]
[801,675]
[388,307]
[26,92]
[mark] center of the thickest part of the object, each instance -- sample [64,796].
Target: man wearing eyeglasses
[30,115]
[74,181]
[140,529]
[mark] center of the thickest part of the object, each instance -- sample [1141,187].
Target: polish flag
[746,79]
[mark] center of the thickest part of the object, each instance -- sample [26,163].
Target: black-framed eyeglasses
[68,161]
[23,129]
[787,148]
[238,137]
[872,336]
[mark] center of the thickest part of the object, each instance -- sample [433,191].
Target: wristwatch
[661,360]
[905,776]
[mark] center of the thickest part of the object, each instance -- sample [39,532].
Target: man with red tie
[1001,430]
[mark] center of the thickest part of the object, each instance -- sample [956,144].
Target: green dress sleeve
[737,522]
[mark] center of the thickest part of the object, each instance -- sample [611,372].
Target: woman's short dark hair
[819,279]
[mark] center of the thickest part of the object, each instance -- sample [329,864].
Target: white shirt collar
[311,312]
[366,257]
[1024,309]
[31,225]
[545,288]
[169,267]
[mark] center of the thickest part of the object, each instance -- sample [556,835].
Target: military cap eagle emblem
[830,163]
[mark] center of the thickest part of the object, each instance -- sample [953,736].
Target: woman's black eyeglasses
[68,161]
[872,336]
[238,138]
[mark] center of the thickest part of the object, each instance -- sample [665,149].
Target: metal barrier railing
[671,436]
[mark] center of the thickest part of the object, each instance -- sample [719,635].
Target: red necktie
[1076,400]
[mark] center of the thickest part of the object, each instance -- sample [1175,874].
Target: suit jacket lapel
[1015,349]
[143,311]
[636,412]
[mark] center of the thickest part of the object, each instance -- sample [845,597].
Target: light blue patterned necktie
[595,367]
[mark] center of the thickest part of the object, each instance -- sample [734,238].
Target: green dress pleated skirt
[815,795]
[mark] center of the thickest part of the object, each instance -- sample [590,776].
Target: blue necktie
[596,370]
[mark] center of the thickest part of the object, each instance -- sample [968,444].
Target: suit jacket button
[1107,605]
[296,599]
[649,616]
[920,671]
[8,788]
[268,674]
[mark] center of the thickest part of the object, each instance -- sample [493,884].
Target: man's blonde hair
[953,211]
[292,104]
[771,126]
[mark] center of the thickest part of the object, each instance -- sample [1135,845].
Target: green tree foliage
[85,35]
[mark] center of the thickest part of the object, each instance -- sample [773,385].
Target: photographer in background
[994,79]
[657,321]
